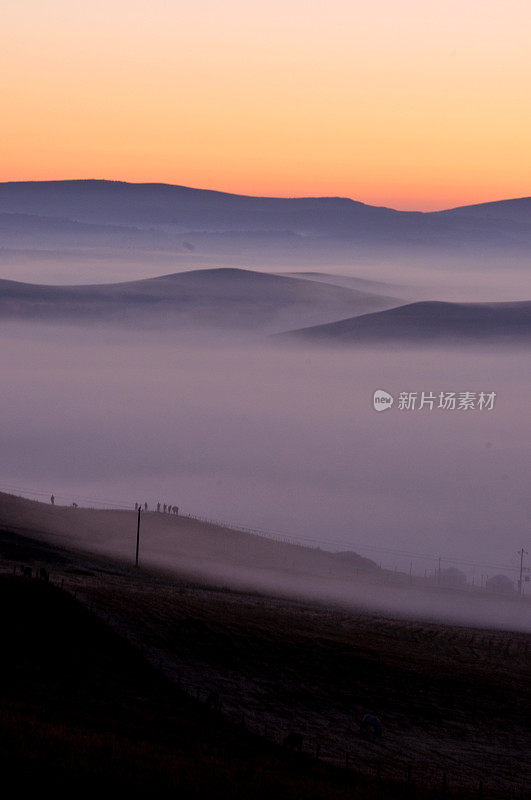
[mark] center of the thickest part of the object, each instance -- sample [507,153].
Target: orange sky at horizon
[412,104]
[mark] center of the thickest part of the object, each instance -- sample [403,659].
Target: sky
[414,104]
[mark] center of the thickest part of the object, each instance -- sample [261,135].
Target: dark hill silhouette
[92,230]
[220,298]
[516,210]
[119,203]
[429,322]
[111,202]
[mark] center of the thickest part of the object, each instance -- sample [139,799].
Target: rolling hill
[224,299]
[429,322]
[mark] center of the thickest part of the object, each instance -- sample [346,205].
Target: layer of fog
[226,300]
[275,438]
[417,275]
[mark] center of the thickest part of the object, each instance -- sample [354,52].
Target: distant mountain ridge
[119,202]
[98,231]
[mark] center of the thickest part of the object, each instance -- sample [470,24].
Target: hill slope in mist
[197,550]
[429,322]
[174,542]
[228,299]
[349,282]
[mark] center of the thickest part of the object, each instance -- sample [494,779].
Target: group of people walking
[165,508]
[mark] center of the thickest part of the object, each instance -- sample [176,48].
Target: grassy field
[104,682]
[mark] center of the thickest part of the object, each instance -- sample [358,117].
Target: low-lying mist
[279,438]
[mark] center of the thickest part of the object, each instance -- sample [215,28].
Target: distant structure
[500,584]
[451,576]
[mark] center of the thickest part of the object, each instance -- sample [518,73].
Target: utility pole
[137,535]
[521,553]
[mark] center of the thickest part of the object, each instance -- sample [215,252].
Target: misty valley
[269,460]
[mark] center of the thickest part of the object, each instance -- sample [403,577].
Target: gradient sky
[410,103]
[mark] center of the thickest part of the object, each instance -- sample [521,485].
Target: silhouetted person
[52,500]
[145,506]
[164,508]
[74,505]
[158,507]
[136,506]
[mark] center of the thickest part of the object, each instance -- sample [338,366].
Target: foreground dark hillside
[82,710]
[105,681]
